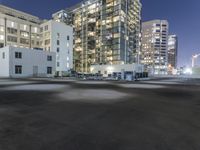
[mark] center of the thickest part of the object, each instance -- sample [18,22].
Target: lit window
[12,24]
[1,37]
[25,27]
[35,29]
[2,29]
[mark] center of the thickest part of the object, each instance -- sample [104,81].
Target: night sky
[183,16]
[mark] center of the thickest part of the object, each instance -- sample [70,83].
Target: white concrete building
[154,53]
[23,62]
[23,30]
[124,71]
[58,37]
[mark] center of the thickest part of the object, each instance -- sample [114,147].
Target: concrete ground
[53,114]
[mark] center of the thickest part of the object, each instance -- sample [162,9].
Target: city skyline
[187,31]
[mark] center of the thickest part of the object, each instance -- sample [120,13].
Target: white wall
[65,56]
[29,59]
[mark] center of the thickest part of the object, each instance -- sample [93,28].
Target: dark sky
[183,16]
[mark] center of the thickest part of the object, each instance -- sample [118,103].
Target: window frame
[18,69]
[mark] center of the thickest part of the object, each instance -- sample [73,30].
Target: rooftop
[19,14]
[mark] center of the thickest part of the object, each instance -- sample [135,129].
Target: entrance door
[35,71]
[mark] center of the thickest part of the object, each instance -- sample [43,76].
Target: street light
[188,71]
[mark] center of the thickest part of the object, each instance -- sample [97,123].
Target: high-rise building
[172,51]
[18,29]
[105,32]
[155,46]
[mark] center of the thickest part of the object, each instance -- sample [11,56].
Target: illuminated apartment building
[172,51]
[105,32]
[154,51]
[18,29]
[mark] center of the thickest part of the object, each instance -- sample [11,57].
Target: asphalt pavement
[57,114]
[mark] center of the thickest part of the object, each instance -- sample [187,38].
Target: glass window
[58,42]
[47,42]
[58,64]
[49,70]
[58,35]
[24,41]
[18,55]
[11,38]
[46,28]
[49,58]
[18,69]
[3,55]
[41,29]
[1,45]
[58,49]
[12,31]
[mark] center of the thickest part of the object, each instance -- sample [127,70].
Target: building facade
[154,52]
[23,30]
[105,32]
[117,70]
[58,37]
[23,62]
[18,29]
[172,51]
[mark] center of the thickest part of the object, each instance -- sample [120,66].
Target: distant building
[105,32]
[124,71]
[23,62]
[154,46]
[172,51]
[58,37]
[19,29]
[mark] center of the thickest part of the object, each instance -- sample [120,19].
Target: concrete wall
[30,58]
[65,55]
